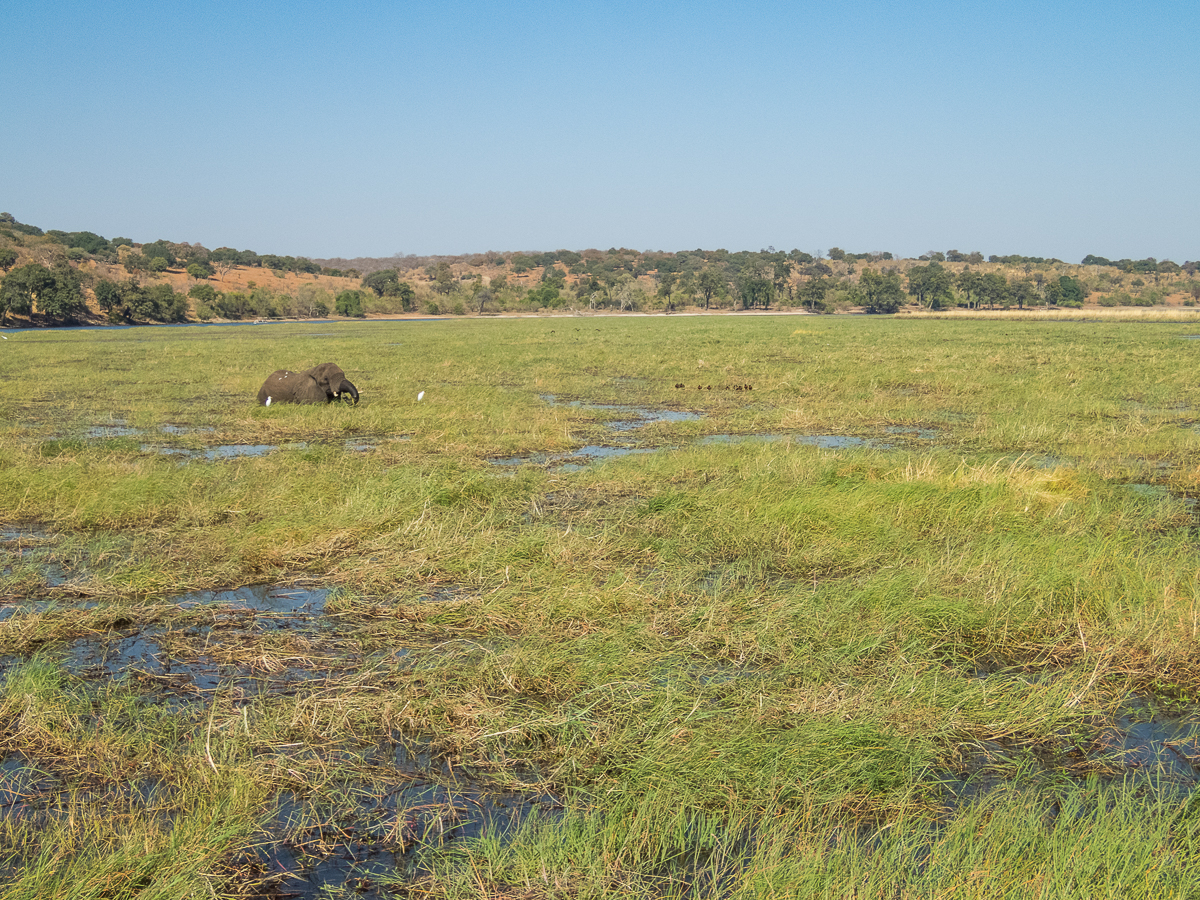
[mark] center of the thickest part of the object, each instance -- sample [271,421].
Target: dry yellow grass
[1097,313]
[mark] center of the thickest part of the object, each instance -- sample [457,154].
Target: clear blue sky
[371,128]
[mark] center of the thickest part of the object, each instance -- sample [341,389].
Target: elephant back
[286,386]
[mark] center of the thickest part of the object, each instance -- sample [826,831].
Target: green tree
[135,262]
[159,249]
[8,258]
[1023,292]
[408,296]
[968,282]
[207,300]
[88,242]
[234,305]
[881,293]
[781,275]
[813,293]
[385,282]
[711,284]
[443,278]
[666,284]
[23,287]
[545,295]
[554,275]
[157,265]
[930,285]
[755,286]
[65,300]
[199,270]
[993,288]
[108,296]
[349,303]
[1073,293]
[157,303]
[166,304]
[1052,293]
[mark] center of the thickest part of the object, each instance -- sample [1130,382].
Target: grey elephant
[320,384]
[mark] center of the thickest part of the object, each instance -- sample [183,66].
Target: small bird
[420,395]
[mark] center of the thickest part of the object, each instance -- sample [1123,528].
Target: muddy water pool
[400,799]
[403,798]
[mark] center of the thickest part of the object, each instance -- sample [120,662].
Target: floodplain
[667,607]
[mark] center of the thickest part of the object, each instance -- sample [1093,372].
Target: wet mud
[376,839]
[824,441]
[1133,744]
[370,832]
[627,417]
[626,420]
[28,553]
[258,642]
[119,435]
[366,842]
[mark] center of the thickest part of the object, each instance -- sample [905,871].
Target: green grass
[747,668]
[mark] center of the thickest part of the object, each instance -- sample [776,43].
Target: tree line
[159,255]
[618,278]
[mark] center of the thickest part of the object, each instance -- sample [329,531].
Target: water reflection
[632,416]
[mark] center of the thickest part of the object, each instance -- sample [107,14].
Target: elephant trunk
[347,388]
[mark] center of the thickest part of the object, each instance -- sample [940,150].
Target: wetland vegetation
[673,607]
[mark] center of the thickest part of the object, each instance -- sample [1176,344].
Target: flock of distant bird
[720,387]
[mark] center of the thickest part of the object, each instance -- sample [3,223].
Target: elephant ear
[328,376]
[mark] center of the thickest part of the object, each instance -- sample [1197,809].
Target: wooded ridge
[57,277]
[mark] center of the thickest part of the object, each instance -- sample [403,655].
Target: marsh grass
[1014,843]
[747,668]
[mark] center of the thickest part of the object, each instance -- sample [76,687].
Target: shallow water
[32,607]
[638,417]
[190,662]
[570,460]
[632,416]
[379,834]
[1136,743]
[1164,745]
[376,830]
[150,444]
[1162,493]
[262,598]
[34,548]
[236,451]
[915,431]
[102,657]
[226,451]
[185,429]
[109,431]
[824,441]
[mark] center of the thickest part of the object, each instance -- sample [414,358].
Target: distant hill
[55,277]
